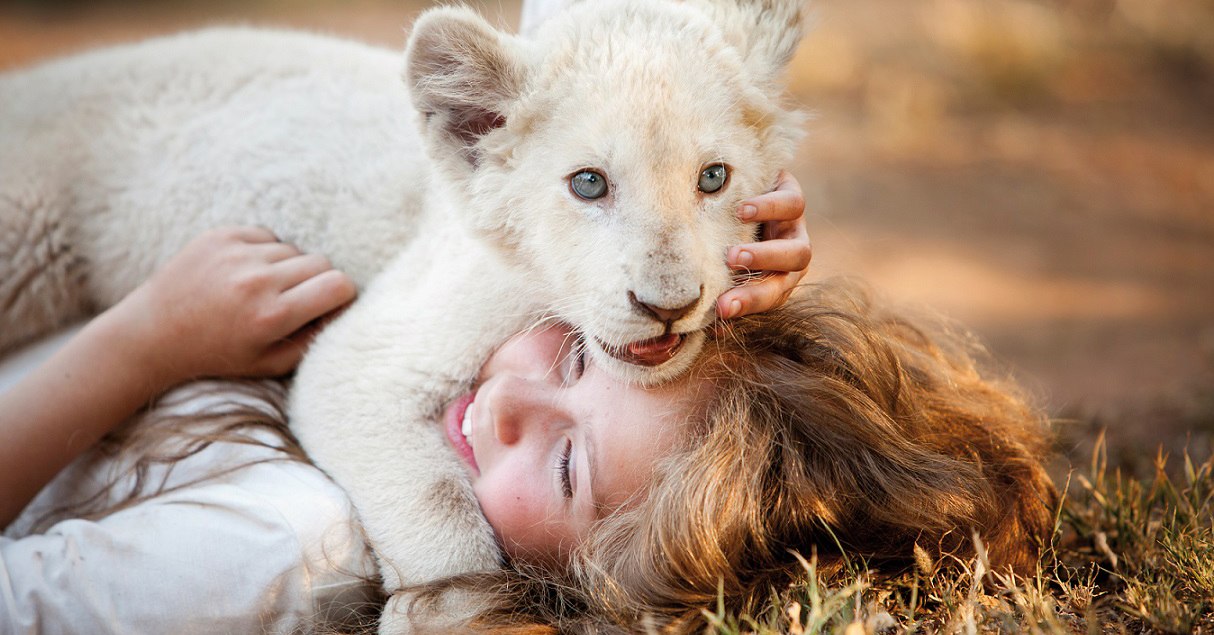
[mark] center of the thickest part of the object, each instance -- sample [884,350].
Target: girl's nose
[519,408]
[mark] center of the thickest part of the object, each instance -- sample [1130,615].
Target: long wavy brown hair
[837,427]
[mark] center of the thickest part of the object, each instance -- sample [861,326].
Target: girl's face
[553,443]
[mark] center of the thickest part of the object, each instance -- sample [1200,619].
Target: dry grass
[1128,556]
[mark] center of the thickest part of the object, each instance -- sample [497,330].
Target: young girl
[828,426]
[202,515]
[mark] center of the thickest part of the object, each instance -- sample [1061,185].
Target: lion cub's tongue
[655,351]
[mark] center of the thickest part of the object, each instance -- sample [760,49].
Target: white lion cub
[589,174]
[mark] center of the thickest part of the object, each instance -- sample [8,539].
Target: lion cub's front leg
[367,399]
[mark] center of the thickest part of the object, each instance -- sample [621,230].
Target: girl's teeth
[466,427]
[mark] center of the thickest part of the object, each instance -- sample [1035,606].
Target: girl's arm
[234,302]
[784,252]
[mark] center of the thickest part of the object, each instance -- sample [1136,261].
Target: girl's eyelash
[563,468]
[579,364]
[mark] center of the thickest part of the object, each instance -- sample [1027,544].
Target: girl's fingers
[315,297]
[299,268]
[786,181]
[773,206]
[791,229]
[784,253]
[756,297]
[784,203]
[284,355]
[272,252]
[781,255]
[249,233]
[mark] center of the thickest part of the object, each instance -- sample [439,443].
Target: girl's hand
[783,255]
[233,302]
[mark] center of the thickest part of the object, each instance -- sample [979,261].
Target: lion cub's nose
[665,315]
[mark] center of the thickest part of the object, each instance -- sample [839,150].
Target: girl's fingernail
[748,212]
[745,258]
[735,307]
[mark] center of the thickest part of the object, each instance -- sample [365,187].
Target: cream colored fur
[112,160]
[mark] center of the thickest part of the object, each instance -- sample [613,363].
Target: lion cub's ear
[463,76]
[766,32]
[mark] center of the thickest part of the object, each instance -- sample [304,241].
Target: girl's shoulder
[236,531]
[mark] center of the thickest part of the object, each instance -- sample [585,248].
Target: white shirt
[265,548]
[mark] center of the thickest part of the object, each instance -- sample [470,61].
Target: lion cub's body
[113,160]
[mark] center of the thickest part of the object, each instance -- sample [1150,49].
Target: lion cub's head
[609,154]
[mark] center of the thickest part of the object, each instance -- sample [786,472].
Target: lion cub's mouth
[650,352]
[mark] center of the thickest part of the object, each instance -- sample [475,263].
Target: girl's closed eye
[574,361]
[563,469]
[579,362]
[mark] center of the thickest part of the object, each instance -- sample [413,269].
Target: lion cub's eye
[588,184]
[713,177]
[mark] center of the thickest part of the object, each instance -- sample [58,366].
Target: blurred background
[1041,171]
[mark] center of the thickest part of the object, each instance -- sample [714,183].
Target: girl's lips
[454,421]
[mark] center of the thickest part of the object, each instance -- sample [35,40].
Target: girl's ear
[463,76]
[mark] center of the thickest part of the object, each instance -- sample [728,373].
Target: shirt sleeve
[269,549]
